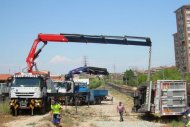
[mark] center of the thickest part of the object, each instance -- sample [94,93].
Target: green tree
[129,78]
[142,78]
[96,82]
[187,77]
[167,74]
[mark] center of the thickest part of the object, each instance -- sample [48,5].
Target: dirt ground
[104,115]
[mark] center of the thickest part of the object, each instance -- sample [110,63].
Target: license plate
[23,104]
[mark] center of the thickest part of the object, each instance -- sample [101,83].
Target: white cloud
[59,59]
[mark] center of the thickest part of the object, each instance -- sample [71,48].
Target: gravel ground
[127,124]
[104,115]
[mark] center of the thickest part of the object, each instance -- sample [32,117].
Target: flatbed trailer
[164,97]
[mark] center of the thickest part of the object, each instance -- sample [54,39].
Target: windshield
[80,83]
[62,85]
[26,82]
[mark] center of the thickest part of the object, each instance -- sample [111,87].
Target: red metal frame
[44,38]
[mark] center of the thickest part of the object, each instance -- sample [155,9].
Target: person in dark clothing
[187,114]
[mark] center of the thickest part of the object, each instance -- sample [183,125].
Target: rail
[126,91]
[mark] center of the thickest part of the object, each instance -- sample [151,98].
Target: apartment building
[182,39]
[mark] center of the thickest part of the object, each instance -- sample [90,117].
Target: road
[104,115]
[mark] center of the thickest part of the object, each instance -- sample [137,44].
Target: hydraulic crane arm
[44,38]
[98,39]
[80,38]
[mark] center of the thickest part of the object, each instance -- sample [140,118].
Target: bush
[176,124]
[118,82]
[4,108]
[96,82]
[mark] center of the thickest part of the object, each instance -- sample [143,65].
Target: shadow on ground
[161,119]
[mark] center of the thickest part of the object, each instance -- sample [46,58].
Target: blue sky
[21,21]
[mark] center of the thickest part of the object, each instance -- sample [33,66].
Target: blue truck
[80,91]
[93,96]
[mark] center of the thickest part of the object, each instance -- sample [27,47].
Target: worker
[121,110]
[187,114]
[56,112]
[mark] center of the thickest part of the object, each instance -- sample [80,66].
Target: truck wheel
[79,102]
[43,109]
[48,108]
[32,112]
[13,111]
[98,101]
[93,102]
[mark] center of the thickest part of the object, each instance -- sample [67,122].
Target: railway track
[121,89]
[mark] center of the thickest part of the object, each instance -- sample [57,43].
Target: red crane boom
[42,38]
[80,38]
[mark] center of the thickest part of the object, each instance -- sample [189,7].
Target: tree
[187,77]
[129,78]
[142,78]
[96,82]
[167,74]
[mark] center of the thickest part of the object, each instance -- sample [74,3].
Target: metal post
[149,65]
[149,96]
[88,99]
[66,102]
[76,99]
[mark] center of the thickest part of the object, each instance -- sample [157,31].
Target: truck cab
[28,91]
[64,87]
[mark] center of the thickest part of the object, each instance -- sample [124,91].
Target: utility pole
[114,75]
[85,61]
[149,65]
[114,68]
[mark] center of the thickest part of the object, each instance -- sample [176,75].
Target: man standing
[56,111]
[120,109]
[187,114]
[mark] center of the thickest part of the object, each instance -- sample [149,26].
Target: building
[182,39]
[4,78]
[57,78]
[153,70]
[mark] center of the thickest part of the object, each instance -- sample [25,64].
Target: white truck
[64,87]
[164,97]
[29,92]
[82,80]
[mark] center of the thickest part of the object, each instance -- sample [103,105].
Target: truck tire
[98,101]
[44,103]
[13,112]
[16,112]
[43,109]
[94,102]
[32,112]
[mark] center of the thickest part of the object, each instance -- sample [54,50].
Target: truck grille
[24,94]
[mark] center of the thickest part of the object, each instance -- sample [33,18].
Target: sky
[21,21]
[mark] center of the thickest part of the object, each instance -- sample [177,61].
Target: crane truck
[29,90]
[81,86]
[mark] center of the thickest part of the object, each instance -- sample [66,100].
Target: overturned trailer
[164,97]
